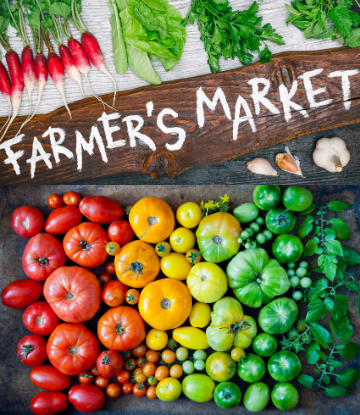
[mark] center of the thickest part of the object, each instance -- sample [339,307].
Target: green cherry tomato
[306,282]
[200,355]
[301,272]
[287,248]
[264,345]
[280,221]
[254,226]
[297,198]
[250,232]
[267,197]
[285,396]
[256,397]
[303,264]
[246,212]
[227,395]
[220,366]
[284,366]
[278,316]
[260,238]
[268,235]
[248,245]
[294,281]
[260,221]
[188,367]
[182,354]
[199,365]
[291,265]
[251,368]
[297,295]
[245,234]
[290,272]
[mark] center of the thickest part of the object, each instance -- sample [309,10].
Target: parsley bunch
[324,19]
[231,33]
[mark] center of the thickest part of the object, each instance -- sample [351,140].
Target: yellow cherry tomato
[175,266]
[156,339]
[189,215]
[191,338]
[193,256]
[163,249]
[237,353]
[200,315]
[112,248]
[182,240]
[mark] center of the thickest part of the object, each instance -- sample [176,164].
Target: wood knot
[157,163]
[283,74]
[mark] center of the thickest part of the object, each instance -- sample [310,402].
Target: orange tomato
[139,390]
[130,364]
[152,220]
[176,371]
[132,296]
[140,362]
[149,369]
[165,304]
[162,372]
[152,356]
[140,377]
[137,264]
[151,392]
[168,356]
[139,351]
[112,248]
[113,390]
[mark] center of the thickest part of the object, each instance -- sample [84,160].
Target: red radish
[28,70]
[5,89]
[70,66]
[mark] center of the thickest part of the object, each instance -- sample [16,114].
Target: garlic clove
[261,166]
[289,163]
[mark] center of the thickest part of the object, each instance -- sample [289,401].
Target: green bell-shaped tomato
[280,221]
[255,279]
[278,316]
[218,237]
[229,327]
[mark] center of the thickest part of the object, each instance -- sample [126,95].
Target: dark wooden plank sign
[191,122]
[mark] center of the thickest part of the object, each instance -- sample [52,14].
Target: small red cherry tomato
[27,221]
[87,398]
[113,390]
[109,363]
[120,231]
[112,248]
[127,388]
[49,403]
[95,371]
[55,201]
[110,268]
[132,296]
[113,294]
[31,350]
[139,390]
[86,377]
[72,199]
[102,382]
[123,376]
[39,318]
[104,278]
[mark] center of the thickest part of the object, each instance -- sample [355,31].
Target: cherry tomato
[49,378]
[39,318]
[176,371]
[113,294]
[120,231]
[127,388]
[130,364]
[237,353]
[86,378]
[163,249]
[72,199]
[31,350]
[104,278]
[95,371]
[27,221]
[87,398]
[139,351]
[137,370]
[126,354]
[109,363]
[162,372]
[152,381]
[21,293]
[149,369]
[168,356]
[151,392]
[193,256]
[123,376]
[49,403]
[140,377]
[139,390]
[132,296]
[141,362]
[55,201]
[112,248]
[102,382]
[189,215]
[110,268]
[113,390]
[152,356]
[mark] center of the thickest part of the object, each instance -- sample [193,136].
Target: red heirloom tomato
[109,363]
[121,328]
[85,244]
[49,403]
[120,231]
[104,278]
[55,201]
[74,294]
[62,220]
[87,398]
[39,318]
[49,378]
[31,350]
[21,293]
[43,254]
[72,348]
[101,209]
[27,221]
[113,293]
[72,199]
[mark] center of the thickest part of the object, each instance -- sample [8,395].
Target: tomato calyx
[193,256]
[136,268]
[234,328]
[165,304]
[131,298]
[281,218]
[119,328]
[25,350]
[73,350]
[217,239]
[126,354]
[85,245]
[105,360]
[39,321]
[140,386]
[161,248]
[42,261]
[85,375]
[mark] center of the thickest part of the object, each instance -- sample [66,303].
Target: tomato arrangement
[172,272]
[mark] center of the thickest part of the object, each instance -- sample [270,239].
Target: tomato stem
[25,350]
[42,261]
[119,328]
[105,360]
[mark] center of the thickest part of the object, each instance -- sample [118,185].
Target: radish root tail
[8,126]
[8,119]
[96,96]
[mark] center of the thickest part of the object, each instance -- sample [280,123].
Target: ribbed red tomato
[121,328]
[74,294]
[39,318]
[85,244]
[87,398]
[109,363]
[21,293]
[43,254]
[49,403]
[120,231]
[113,294]
[101,209]
[27,221]
[31,350]
[62,220]
[49,378]
[72,348]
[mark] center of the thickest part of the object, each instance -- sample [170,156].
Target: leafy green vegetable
[119,48]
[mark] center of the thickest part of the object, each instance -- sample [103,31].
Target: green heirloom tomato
[255,279]
[285,396]
[218,237]
[287,248]
[267,197]
[251,368]
[297,198]
[198,387]
[284,366]
[256,397]
[229,327]
[199,365]
[200,355]
[220,366]
[264,345]
[280,221]
[246,212]
[168,389]
[278,316]
[227,395]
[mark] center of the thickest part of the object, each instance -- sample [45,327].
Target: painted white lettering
[259,96]
[105,118]
[81,145]
[173,131]
[285,98]
[12,157]
[56,146]
[310,93]
[134,132]
[241,103]
[202,99]
[345,82]
[149,108]
[43,156]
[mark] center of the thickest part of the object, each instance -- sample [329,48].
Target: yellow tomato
[191,338]
[182,240]
[189,215]
[156,339]
[207,282]
[193,256]
[163,249]
[175,266]
[112,248]
[200,315]
[237,353]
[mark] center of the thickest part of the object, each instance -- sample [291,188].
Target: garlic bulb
[289,163]
[261,166]
[331,154]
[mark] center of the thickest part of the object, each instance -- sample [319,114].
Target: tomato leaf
[337,206]
[350,350]
[339,323]
[340,228]
[334,247]
[305,380]
[311,246]
[348,377]
[320,334]
[350,257]
[334,391]
[305,227]
[317,310]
